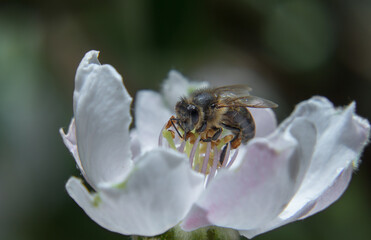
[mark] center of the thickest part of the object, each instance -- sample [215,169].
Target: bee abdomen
[240,122]
[247,128]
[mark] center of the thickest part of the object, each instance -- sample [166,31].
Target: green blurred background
[287,50]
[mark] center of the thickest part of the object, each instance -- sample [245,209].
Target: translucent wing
[232,91]
[239,96]
[248,101]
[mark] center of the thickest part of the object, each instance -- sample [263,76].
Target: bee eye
[193,113]
[194,116]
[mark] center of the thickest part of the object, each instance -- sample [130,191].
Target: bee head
[187,115]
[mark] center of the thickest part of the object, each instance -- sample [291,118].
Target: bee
[210,110]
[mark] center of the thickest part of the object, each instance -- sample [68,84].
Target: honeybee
[209,110]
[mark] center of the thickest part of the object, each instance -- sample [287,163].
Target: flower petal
[341,137]
[332,193]
[265,121]
[155,197]
[135,145]
[277,223]
[177,86]
[69,140]
[150,117]
[102,117]
[257,190]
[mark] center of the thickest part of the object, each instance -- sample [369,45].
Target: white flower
[282,175]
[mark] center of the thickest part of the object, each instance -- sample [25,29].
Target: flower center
[204,157]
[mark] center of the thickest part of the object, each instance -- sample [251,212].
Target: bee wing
[249,101]
[232,91]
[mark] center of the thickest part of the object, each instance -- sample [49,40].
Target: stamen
[213,168]
[181,147]
[226,156]
[233,158]
[197,168]
[167,134]
[177,139]
[193,151]
[206,158]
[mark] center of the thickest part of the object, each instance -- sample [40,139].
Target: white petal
[150,117]
[102,116]
[338,145]
[177,86]
[135,145]
[331,194]
[277,222]
[341,137]
[258,190]
[71,143]
[155,197]
[265,121]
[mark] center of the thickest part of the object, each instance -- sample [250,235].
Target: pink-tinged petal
[341,137]
[259,188]
[157,194]
[102,117]
[196,218]
[265,121]
[150,116]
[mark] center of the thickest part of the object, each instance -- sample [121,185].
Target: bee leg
[203,127]
[191,137]
[236,141]
[223,154]
[206,140]
[215,136]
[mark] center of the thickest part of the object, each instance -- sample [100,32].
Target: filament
[204,157]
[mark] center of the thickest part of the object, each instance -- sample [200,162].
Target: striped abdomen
[240,121]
